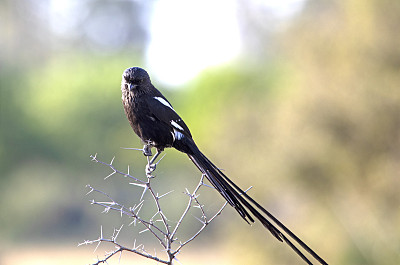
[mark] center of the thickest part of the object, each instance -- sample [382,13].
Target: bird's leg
[150,167]
[155,157]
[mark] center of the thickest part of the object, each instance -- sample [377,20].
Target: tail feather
[230,194]
[243,203]
[273,218]
[220,185]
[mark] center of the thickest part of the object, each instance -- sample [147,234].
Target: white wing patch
[177,135]
[176,125]
[164,102]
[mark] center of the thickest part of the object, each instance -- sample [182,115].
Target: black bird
[158,125]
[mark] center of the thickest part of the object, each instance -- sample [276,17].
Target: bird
[159,126]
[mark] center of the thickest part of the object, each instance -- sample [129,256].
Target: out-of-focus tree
[47,49]
[32,31]
[60,68]
[346,120]
[317,127]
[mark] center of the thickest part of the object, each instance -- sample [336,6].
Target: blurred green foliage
[315,128]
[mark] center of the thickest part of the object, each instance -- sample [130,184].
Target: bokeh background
[298,98]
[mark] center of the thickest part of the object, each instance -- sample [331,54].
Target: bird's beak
[132,87]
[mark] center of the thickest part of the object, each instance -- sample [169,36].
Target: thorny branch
[163,233]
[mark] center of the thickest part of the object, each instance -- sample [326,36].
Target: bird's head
[135,77]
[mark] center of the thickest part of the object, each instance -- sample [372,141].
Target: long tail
[244,204]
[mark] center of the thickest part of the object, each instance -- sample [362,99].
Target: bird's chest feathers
[132,107]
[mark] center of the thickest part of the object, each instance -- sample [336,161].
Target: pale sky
[186,36]
[189,36]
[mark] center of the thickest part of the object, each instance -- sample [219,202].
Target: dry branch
[158,225]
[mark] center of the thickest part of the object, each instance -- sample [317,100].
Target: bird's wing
[163,111]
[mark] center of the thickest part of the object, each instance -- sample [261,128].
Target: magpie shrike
[155,121]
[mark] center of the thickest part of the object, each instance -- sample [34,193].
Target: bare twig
[163,233]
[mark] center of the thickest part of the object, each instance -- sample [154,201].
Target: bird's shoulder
[162,109]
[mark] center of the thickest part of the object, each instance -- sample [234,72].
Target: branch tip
[94,157]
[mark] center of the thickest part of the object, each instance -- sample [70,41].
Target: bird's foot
[150,168]
[151,165]
[147,150]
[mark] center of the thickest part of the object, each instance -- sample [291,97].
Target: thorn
[144,191]
[201,221]
[207,185]
[165,194]
[138,184]
[109,203]
[118,230]
[91,189]
[130,148]
[137,206]
[161,158]
[187,191]
[247,189]
[143,231]
[101,237]
[140,245]
[140,208]
[151,219]
[110,175]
